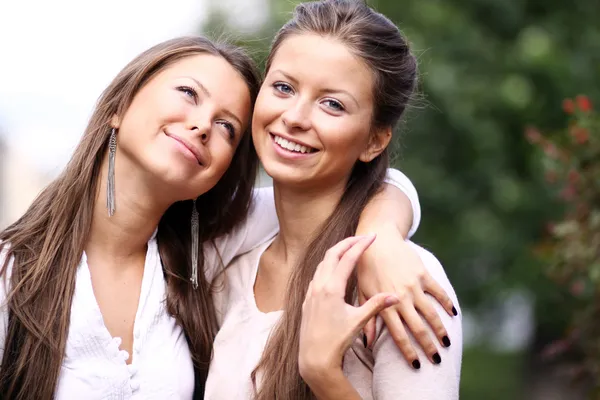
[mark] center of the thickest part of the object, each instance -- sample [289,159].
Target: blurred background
[509,88]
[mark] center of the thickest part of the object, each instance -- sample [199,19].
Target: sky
[57,56]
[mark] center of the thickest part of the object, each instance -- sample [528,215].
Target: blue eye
[283,88]
[230,128]
[334,104]
[191,92]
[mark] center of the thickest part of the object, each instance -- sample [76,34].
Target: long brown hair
[47,242]
[379,43]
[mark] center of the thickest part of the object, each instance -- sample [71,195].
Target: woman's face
[312,118]
[184,125]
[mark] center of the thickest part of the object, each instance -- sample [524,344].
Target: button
[138,346]
[134,384]
[132,369]
[137,334]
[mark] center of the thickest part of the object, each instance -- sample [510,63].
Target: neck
[301,213]
[138,212]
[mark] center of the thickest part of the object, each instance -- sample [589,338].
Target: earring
[195,224]
[110,185]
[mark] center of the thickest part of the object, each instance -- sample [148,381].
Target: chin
[288,176]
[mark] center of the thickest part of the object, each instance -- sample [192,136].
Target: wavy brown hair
[47,242]
[378,43]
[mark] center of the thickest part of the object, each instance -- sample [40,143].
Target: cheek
[266,109]
[347,137]
[222,155]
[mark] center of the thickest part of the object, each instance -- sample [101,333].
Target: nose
[203,135]
[297,116]
[200,128]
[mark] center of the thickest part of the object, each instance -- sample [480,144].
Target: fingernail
[446,341]
[436,358]
[365,340]
[416,364]
[390,301]
[454,311]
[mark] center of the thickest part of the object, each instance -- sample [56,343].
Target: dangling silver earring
[195,232]
[110,185]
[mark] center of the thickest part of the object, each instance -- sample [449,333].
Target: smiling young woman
[339,77]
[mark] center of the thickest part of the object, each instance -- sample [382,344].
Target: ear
[378,142]
[115,121]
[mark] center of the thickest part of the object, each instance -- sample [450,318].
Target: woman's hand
[390,265]
[329,324]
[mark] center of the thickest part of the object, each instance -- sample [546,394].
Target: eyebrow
[207,94]
[325,90]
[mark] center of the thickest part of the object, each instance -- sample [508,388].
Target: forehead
[323,61]
[225,84]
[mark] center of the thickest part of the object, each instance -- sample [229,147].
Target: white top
[95,368]
[378,374]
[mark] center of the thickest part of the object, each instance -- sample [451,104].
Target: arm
[329,324]
[331,385]
[260,225]
[390,265]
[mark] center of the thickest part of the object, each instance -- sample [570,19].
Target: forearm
[390,208]
[333,386]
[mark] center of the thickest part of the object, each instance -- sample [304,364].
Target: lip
[273,134]
[196,152]
[287,154]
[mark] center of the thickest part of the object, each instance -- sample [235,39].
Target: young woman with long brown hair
[96,299]
[338,79]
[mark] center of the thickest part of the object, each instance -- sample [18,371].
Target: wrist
[324,380]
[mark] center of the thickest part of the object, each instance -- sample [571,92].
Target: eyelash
[334,104]
[279,85]
[337,105]
[230,128]
[191,92]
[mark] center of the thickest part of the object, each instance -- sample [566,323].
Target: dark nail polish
[446,341]
[365,340]
[454,311]
[436,358]
[416,364]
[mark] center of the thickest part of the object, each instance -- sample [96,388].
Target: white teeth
[291,146]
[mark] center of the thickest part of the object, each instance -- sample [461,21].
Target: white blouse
[95,367]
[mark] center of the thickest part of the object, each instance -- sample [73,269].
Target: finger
[350,258]
[374,306]
[418,329]
[333,255]
[370,328]
[426,309]
[336,252]
[431,286]
[398,333]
